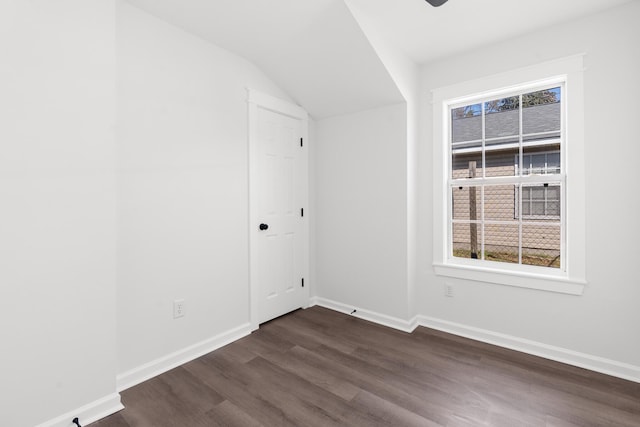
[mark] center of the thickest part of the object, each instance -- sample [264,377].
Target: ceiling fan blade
[436,3]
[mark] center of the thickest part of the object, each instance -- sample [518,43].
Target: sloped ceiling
[313,49]
[425,33]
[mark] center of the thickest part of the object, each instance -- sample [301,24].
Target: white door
[278,224]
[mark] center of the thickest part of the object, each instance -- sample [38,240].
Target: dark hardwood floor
[316,367]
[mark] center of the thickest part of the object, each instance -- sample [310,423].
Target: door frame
[258,100]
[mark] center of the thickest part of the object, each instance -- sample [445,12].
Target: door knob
[264,227]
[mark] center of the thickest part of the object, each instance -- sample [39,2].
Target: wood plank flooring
[316,367]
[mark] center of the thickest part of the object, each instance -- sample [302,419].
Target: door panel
[280,189]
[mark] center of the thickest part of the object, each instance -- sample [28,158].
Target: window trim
[571,279]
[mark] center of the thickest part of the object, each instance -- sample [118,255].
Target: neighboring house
[540,205]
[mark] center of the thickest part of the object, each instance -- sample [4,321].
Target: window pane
[467,240]
[462,165]
[541,113]
[537,165]
[553,208]
[526,203]
[502,120]
[466,124]
[500,202]
[500,162]
[553,192]
[553,200]
[553,162]
[541,160]
[466,203]
[537,208]
[501,243]
[537,193]
[541,245]
[540,202]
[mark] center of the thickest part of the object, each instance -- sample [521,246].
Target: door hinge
[303,282]
[301,211]
[301,142]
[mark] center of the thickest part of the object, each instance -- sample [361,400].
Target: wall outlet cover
[179,308]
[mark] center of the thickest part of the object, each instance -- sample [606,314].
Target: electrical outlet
[179,308]
[448,290]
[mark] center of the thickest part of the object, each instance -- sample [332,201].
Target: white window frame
[570,278]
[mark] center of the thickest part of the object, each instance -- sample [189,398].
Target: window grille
[504,210]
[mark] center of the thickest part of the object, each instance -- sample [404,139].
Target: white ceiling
[315,50]
[426,33]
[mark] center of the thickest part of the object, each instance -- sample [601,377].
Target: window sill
[541,282]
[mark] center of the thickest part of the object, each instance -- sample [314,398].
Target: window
[500,160]
[485,136]
[540,202]
[540,164]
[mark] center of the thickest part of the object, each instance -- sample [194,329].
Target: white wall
[57,215]
[361,201]
[406,76]
[182,187]
[603,322]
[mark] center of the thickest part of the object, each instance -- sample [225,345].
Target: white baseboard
[156,367]
[381,319]
[88,413]
[559,354]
